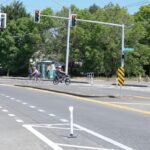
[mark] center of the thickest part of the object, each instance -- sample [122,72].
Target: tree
[19,40]
[15,10]
[18,43]
[142,18]
[97,46]
[93,8]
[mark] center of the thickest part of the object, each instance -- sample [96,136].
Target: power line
[138,3]
[58,3]
[134,4]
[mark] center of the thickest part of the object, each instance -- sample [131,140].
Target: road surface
[36,119]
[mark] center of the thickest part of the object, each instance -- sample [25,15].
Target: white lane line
[4,110]
[12,98]
[1,107]
[123,103]
[82,147]
[47,125]
[8,96]
[103,137]
[41,110]
[32,106]
[63,128]
[64,120]
[53,126]
[52,115]
[53,145]
[24,103]
[11,115]
[19,120]
[17,100]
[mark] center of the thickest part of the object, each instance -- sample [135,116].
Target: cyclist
[60,73]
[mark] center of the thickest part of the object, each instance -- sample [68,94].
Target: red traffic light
[74,19]
[37,12]
[37,16]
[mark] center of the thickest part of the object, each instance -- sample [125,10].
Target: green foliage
[15,10]
[18,43]
[133,65]
[97,46]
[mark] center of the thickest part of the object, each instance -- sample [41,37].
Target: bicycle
[64,78]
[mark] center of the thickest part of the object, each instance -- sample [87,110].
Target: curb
[57,91]
[134,85]
[69,93]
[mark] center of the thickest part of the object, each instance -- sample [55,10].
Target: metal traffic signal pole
[68,40]
[68,36]
[90,21]
[111,24]
[122,49]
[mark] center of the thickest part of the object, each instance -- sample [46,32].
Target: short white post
[116,82]
[92,78]
[71,120]
[120,91]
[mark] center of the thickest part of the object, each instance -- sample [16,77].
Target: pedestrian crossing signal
[3,18]
[37,16]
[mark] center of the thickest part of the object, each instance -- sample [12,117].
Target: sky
[56,5]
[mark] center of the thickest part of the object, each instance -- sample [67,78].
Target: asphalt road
[33,119]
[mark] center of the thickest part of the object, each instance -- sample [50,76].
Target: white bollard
[92,80]
[116,82]
[71,120]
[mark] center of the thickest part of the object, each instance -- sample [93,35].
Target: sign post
[121,75]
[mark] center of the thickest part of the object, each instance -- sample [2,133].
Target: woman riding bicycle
[59,72]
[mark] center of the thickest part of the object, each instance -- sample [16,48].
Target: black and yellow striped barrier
[121,75]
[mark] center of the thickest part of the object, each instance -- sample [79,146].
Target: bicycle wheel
[55,81]
[67,81]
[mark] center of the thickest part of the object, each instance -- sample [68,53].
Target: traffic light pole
[90,21]
[111,24]
[68,36]
[68,40]
[122,50]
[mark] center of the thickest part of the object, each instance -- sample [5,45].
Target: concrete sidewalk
[78,87]
[95,81]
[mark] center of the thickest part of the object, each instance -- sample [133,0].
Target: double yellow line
[110,104]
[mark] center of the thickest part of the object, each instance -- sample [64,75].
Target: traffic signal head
[73,19]
[37,16]
[122,56]
[3,20]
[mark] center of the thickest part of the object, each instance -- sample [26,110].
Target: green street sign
[128,49]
